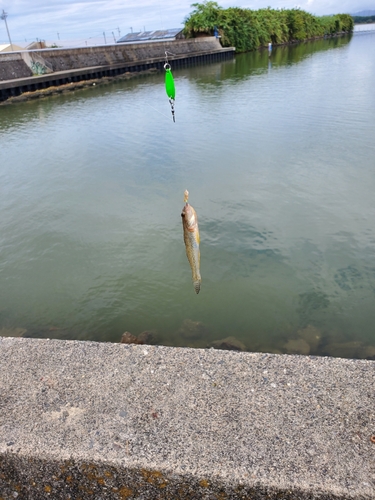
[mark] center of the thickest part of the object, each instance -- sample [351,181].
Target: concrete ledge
[84,420]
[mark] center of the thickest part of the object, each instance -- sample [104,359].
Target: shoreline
[38,86]
[66,88]
[36,70]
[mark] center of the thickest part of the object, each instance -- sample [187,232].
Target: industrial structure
[156,35]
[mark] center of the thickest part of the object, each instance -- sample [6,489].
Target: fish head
[189,217]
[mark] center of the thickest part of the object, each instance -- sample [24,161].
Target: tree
[203,19]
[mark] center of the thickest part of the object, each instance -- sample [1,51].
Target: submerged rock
[12,332]
[146,337]
[344,349]
[272,351]
[129,338]
[311,335]
[229,344]
[367,352]
[192,330]
[297,346]
[354,349]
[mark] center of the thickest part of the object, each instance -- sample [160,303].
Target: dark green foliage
[239,28]
[248,29]
[364,19]
[203,19]
[346,22]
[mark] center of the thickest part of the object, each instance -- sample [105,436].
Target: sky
[86,20]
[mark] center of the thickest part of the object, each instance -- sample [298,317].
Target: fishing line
[169,80]
[163,114]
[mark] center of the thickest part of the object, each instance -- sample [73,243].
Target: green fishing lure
[169,84]
[169,87]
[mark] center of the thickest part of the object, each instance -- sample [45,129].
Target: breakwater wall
[60,66]
[99,420]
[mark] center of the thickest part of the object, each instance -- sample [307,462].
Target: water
[278,156]
[364,27]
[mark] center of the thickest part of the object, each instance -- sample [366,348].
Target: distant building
[41,44]
[6,47]
[149,36]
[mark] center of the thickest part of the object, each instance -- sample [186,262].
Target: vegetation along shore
[248,29]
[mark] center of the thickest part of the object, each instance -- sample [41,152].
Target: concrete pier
[86,420]
[74,65]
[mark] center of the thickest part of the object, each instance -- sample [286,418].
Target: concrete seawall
[84,420]
[69,59]
[73,65]
[13,66]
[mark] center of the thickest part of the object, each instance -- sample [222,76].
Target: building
[149,36]
[6,47]
[39,44]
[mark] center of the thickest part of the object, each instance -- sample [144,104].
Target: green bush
[248,29]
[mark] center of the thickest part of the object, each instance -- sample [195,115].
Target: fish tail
[197,286]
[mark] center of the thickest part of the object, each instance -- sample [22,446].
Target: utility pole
[119,32]
[4,16]
[58,36]
[131,29]
[104,37]
[114,37]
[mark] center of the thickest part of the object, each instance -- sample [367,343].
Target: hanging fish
[191,238]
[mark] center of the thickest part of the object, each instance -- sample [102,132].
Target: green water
[278,156]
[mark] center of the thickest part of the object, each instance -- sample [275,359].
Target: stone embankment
[12,66]
[85,420]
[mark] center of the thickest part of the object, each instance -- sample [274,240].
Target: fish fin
[197,286]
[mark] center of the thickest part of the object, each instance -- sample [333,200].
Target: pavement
[82,420]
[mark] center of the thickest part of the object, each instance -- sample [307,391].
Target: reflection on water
[277,154]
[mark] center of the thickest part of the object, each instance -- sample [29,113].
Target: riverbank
[47,85]
[87,419]
[73,86]
[248,29]
[57,67]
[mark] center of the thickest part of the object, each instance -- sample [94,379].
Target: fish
[192,241]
